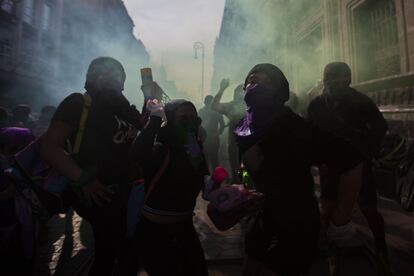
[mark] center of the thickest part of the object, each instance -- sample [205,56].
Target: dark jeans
[285,247]
[172,249]
[109,230]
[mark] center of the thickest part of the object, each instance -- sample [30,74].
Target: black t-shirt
[180,183]
[284,236]
[107,137]
[352,116]
[282,162]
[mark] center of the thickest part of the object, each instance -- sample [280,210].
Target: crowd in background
[105,148]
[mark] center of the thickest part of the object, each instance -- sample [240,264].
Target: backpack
[45,188]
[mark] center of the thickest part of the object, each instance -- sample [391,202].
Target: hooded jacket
[177,190]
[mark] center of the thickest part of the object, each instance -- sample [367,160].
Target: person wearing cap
[344,112]
[278,148]
[175,172]
[100,173]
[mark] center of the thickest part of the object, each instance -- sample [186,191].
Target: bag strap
[397,148]
[158,175]
[82,123]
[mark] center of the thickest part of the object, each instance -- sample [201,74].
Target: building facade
[375,37]
[28,29]
[46,45]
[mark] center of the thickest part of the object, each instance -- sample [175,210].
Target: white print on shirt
[126,132]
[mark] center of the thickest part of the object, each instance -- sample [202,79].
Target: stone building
[375,37]
[100,28]
[29,36]
[46,45]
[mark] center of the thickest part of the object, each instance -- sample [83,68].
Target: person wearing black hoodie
[347,113]
[100,173]
[173,155]
[278,148]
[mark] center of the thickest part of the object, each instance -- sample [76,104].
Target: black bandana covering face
[193,149]
[184,133]
[105,80]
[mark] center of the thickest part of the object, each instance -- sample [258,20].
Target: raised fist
[224,84]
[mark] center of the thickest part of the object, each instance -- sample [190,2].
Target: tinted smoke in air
[169,29]
[254,32]
[110,35]
[54,63]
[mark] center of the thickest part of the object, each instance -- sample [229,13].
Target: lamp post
[200,46]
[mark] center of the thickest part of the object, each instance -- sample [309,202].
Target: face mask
[258,95]
[109,86]
[187,125]
[184,129]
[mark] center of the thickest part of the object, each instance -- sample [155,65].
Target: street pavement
[66,242]
[65,246]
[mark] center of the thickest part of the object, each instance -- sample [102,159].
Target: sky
[169,28]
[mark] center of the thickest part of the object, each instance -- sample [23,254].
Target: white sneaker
[344,235]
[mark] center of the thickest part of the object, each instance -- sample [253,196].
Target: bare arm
[217,99]
[222,125]
[141,149]
[53,152]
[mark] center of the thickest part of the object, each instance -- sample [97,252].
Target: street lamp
[200,46]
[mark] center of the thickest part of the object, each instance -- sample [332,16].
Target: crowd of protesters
[104,148]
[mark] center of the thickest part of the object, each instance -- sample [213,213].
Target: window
[385,34]
[28,11]
[46,17]
[376,40]
[5,52]
[7,6]
[308,62]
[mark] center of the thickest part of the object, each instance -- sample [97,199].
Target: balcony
[390,91]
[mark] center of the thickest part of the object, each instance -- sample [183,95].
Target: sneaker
[344,235]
